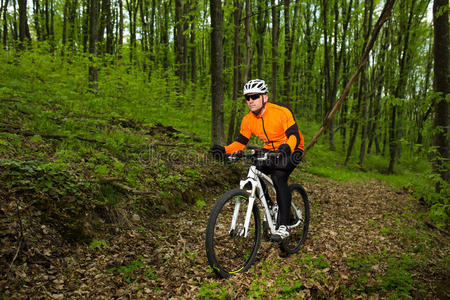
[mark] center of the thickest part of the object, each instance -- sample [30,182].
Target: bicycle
[233,233]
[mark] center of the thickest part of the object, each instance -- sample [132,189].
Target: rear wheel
[299,220]
[228,250]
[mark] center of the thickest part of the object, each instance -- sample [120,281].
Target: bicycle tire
[298,234]
[227,252]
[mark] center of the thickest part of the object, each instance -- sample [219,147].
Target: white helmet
[257,86]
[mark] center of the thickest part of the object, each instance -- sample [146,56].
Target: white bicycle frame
[253,177]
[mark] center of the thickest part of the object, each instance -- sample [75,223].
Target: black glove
[280,160]
[218,152]
[285,149]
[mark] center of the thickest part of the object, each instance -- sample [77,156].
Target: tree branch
[384,16]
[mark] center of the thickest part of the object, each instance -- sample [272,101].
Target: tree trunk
[24,33]
[399,92]
[337,62]
[261,25]
[236,70]
[326,56]
[72,25]
[109,29]
[37,24]
[102,25]
[289,41]
[5,25]
[132,13]
[52,27]
[247,63]
[192,42]
[152,37]
[217,80]
[274,43]
[381,61]
[143,9]
[64,29]
[165,34]
[442,88]
[368,10]
[14,29]
[85,29]
[93,37]
[120,43]
[180,40]
[362,150]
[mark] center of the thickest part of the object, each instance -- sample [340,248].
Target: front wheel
[228,248]
[299,220]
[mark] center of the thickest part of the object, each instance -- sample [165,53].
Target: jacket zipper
[264,129]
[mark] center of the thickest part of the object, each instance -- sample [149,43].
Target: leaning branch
[381,20]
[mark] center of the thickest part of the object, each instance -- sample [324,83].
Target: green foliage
[96,244]
[200,204]
[213,291]
[396,281]
[130,271]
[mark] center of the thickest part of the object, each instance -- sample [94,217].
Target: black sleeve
[241,139]
[293,130]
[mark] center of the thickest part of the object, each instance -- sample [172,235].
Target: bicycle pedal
[276,239]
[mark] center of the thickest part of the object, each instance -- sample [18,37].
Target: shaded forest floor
[364,242]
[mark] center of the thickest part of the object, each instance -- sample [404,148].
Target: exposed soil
[164,257]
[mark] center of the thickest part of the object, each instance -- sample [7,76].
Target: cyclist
[275,125]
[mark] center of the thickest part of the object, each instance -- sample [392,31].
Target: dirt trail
[352,224]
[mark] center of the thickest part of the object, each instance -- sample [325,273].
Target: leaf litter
[356,229]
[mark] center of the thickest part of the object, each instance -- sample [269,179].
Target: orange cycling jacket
[275,126]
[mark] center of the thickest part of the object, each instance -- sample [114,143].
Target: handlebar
[253,155]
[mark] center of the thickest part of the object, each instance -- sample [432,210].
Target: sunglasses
[253,97]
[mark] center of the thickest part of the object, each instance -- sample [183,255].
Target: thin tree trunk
[72,20]
[326,55]
[192,43]
[337,63]
[64,29]
[368,10]
[37,25]
[179,41]
[5,25]
[399,93]
[261,25]
[109,29]
[373,128]
[24,34]
[93,37]
[442,87]
[236,62]
[120,43]
[85,29]
[274,43]
[362,151]
[165,34]
[248,55]
[289,41]
[217,80]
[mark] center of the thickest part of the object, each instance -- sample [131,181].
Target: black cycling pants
[280,181]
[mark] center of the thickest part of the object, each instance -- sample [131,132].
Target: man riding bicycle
[274,124]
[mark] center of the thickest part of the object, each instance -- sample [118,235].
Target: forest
[108,109]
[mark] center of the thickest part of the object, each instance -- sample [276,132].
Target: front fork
[243,232]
